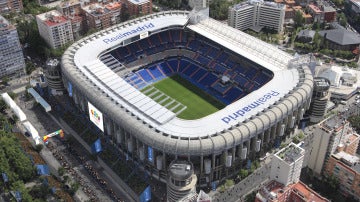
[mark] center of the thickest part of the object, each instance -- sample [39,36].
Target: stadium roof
[86,59]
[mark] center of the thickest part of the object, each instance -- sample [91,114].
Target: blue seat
[145,75]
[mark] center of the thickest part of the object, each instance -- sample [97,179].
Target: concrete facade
[209,159]
[257,14]
[286,164]
[55,28]
[11,55]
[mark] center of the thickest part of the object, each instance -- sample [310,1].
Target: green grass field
[198,103]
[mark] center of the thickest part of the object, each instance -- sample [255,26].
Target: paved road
[117,183]
[252,183]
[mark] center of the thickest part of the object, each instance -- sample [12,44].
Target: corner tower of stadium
[261,92]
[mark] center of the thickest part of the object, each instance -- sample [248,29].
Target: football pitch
[182,97]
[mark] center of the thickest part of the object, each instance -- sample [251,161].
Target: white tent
[14,107]
[34,133]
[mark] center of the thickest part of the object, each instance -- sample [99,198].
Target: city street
[251,183]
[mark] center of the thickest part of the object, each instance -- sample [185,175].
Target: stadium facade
[96,68]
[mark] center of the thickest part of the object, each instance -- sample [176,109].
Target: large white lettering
[129,33]
[241,112]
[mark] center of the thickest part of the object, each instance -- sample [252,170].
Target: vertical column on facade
[280,129]
[164,162]
[75,96]
[82,101]
[141,151]
[130,144]
[273,132]
[267,135]
[213,165]
[248,145]
[201,164]
[261,138]
[233,151]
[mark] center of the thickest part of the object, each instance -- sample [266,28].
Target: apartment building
[277,192]
[7,6]
[11,55]
[257,14]
[139,7]
[286,164]
[345,166]
[55,28]
[73,11]
[327,137]
[101,16]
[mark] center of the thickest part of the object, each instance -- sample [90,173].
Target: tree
[298,19]
[219,9]
[342,19]
[243,173]
[355,122]
[19,186]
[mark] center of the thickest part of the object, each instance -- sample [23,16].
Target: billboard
[96,117]
[150,154]
[144,35]
[70,89]
[145,196]
[96,147]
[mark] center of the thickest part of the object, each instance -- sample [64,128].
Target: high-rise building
[286,164]
[100,16]
[257,14]
[320,98]
[181,180]
[11,55]
[139,7]
[7,6]
[344,165]
[327,136]
[72,10]
[55,28]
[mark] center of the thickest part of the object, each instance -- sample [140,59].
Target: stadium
[177,85]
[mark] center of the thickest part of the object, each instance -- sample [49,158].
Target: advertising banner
[96,116]
[150,154]
[70,89]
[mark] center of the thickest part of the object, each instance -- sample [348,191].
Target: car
[343,102]
[357,97]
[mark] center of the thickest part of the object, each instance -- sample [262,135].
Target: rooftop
[321,82]
[68,3]
[4,24]
[275,190]
[314,8]
[139,1]
[306,33]
[341,36]
[290,153]
[52,62]
[162,119]
[181,169]
[335,123]
[252,2]
[349,159]
[113,6]
[52,18]
[98,9]
[308,193]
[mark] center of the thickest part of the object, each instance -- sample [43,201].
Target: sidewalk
[119,185]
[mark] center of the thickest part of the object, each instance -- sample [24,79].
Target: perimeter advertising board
[96,116]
